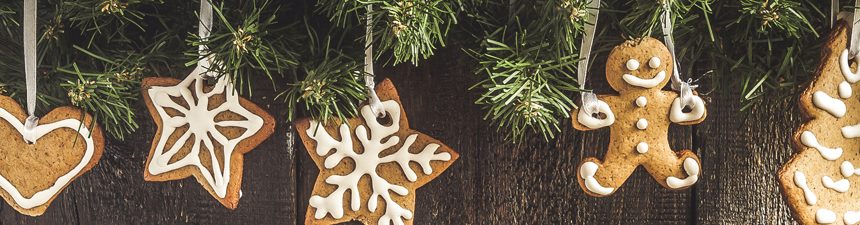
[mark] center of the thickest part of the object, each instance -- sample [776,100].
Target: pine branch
[256,44]
[330,88]
[528,66]
[411,29]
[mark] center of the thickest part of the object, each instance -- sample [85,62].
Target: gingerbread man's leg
[603,178]
[675,171]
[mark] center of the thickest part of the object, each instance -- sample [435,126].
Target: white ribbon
[589,99]
[685,89]
[373,100]
[30,66]
[834,11]
[204,30]
[853,45]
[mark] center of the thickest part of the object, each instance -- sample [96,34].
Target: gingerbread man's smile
[654,63]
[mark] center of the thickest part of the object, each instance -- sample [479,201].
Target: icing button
[654,62]
[632,64]
[641,101]
[642,124]
[642,147]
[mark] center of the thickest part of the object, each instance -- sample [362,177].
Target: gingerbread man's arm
[695,113]
[584,122]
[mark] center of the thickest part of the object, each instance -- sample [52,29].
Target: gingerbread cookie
[387,162]
[817,182]
[638,70]
[203,131]
[38,164]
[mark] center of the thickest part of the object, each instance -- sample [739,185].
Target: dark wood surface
[493,182]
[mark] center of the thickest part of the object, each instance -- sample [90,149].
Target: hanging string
[834,11]
[853,45]
[373,100]
[589,99]
[204,30]
[685,89]
[30,66]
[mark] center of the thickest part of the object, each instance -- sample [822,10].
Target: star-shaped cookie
[203,131]
[387,162]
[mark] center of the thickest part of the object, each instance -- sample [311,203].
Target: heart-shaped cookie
[32,175]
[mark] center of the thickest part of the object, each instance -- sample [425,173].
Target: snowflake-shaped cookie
[820,181]
[203,131]
[387,161]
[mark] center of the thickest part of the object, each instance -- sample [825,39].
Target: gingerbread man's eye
[632,64]
[654,62]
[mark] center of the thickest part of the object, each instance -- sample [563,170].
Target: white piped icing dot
[847,169]
[641,101]
[845,90]
[825,216]
[642,147]
[654,62]
[632,64]
[642,124]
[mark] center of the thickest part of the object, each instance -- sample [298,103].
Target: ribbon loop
[29,125]
[30,43]
[589,100]
[834,12]
[686,94]
[854,43]
[204,30]
[373,100]
[684,87]
[590,103]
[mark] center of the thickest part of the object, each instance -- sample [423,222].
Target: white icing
[851,217]
[692,168]
[374,138]
[642,147]
[202,132]
[43,196]
[833,106]
[825,216]
[808,139]
[840,186]
[800,181]
[642,124]
[645,83]
[845,90]
[594,123]
[587,171]
[632,64]
[641,101]
[847,169]
[845,66]
[851,131]
[654,62]
[677,114]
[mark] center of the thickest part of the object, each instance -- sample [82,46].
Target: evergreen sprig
[410,29]
[330,86]
[787,30]
[255,43]
[528,59]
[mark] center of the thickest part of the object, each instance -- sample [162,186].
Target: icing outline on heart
[43,196]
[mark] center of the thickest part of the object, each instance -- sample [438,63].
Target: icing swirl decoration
[371,160]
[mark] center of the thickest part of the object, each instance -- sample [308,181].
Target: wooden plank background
[494,182]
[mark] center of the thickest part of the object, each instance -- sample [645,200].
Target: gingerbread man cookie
[638,70]
[819,181]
